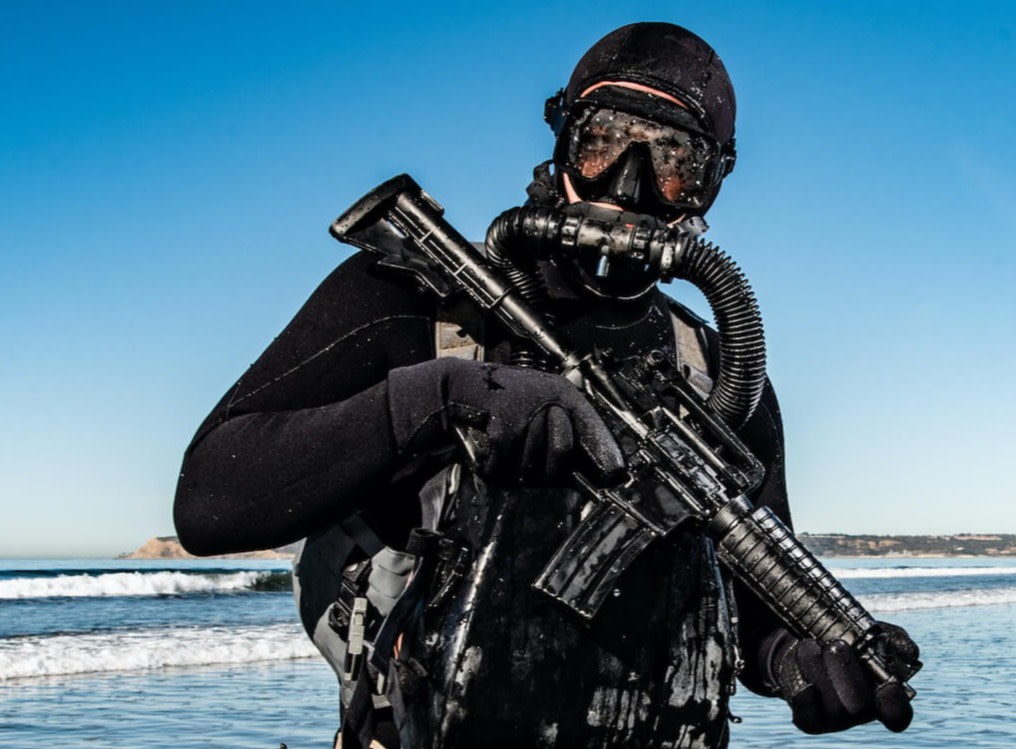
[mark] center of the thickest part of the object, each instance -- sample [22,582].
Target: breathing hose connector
[624,240]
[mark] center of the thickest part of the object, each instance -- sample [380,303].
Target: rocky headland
[168,547]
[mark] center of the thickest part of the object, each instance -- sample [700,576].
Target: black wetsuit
[303,439]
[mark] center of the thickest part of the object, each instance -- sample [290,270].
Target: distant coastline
[961,545]
[821,544]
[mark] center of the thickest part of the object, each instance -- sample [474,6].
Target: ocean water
[209,654]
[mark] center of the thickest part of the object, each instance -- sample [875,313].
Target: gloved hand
[830,689]
[534,426]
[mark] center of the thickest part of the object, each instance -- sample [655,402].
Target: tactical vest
[468,654]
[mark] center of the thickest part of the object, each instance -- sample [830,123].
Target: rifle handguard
[764,554]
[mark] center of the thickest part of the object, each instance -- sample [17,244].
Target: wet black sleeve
[304,436]
[763,434]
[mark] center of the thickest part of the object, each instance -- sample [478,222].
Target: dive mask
[641,153]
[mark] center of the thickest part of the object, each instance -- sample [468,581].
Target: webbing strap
[358,720]
[356,528]
[423,544]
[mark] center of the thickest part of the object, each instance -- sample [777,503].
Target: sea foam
[111,584]
[141,650]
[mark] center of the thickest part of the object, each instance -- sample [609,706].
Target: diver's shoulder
[358,283]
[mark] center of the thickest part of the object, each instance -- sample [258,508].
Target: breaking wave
[163,583]
[893,572]
[142,650]
[937,599]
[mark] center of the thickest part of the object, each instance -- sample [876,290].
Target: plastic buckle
[355,645]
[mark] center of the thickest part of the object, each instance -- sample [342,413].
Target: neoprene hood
[669,59]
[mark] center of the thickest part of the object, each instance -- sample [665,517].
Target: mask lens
[599,140]
[681,159]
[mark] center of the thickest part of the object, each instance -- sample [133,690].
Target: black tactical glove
[531,426]
[830,689]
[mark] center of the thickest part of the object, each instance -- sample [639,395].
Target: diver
[415,580]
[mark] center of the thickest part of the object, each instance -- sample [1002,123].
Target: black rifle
[683,463]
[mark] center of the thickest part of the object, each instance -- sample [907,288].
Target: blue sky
[168,172]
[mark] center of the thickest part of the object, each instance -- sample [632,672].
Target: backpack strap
[694,353]
[450,337]
[451,340]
